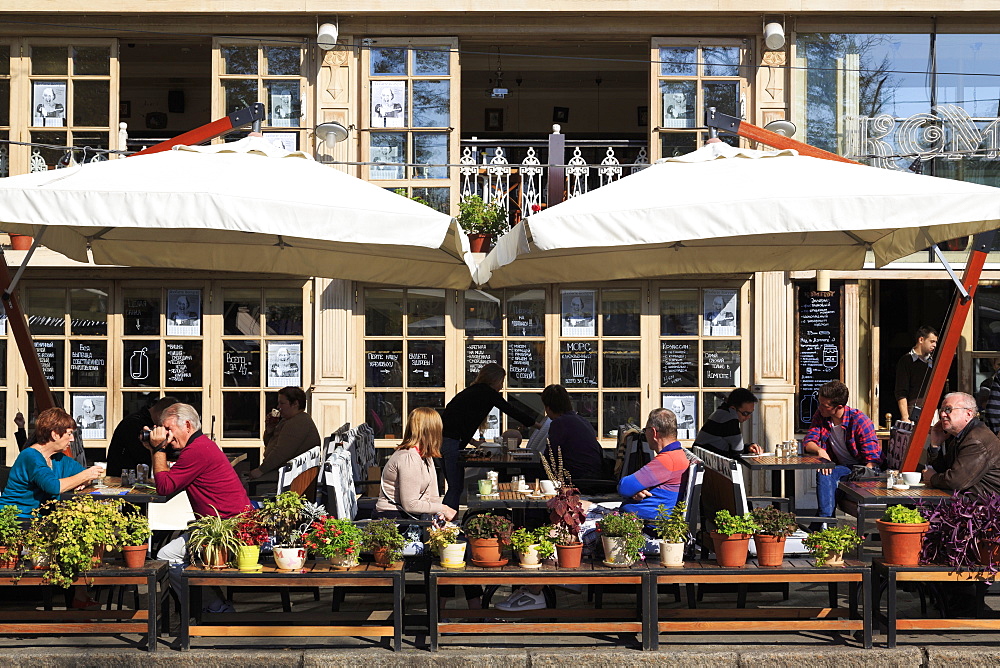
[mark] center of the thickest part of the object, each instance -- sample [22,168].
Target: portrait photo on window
[48,102]
[388,104]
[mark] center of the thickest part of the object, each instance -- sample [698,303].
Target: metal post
[557,170]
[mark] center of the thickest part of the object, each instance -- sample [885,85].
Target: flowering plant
[330,537]
[250,528]
[624,525]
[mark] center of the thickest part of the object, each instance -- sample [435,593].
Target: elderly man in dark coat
[968,452]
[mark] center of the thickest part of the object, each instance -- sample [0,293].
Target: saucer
[455,566]
[491,564]
[918,484]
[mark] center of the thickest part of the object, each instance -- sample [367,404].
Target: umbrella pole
[19,328]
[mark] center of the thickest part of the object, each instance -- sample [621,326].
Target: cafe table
[873,496]
[503,461]
[520,502]
[113,489]
[783,471]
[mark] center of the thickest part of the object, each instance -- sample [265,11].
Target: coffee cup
[911,478]
[548,487]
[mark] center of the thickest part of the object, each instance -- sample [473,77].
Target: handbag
[862,472]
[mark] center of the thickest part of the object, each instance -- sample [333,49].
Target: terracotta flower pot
[135,555]
[731,551]
[569,556]
[486,552]
[217,558]
[98,557]
[8,557]
[289,558]
[20,242]
[770,550]
[901,542]
[835,559]
[672,554]
[381,555]
[478,242]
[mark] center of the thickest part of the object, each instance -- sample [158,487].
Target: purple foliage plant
[962,532]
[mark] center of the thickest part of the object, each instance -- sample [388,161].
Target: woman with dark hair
[574,436]
[286,435]
[721,433]
[463,415]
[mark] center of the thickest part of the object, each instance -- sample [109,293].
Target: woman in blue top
[42,472]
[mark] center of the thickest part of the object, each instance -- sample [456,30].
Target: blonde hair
[423,431]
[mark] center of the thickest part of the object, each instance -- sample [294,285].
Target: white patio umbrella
[726,210]
[244,206]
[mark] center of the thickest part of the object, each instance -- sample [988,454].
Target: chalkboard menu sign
[819,350]
[721,364]
[87,363]
[142,363]
[678,363]
[51,354]
[578,363]
[384,363]
[525,364]
[183,363]
[478,354]
[425,364]
[241,364]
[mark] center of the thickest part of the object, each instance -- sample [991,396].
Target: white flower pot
[614,551]
[289,558]
[529,558]
[453,555]
[671,554]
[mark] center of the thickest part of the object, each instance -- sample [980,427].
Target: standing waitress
[463,415]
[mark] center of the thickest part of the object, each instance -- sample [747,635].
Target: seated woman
[721,433]
[287,435]
[658,483]
[581,452]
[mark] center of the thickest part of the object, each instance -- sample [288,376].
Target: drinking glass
[485,487]
[99,481]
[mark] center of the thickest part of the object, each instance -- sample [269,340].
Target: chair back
[690,492]
[173,515]
[301,474]
[723,487]
[895,450]
[338,481]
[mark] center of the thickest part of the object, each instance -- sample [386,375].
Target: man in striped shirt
[658,482]
[722,432]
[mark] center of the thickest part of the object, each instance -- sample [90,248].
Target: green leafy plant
[441,537]
[477,217]
[135,529]
[488,525]
[774,522]
[624,525]
[671,525]
[823,544]
[523,538]
[728,524]
[287,517]
[902,515]
[330,537]
[384,533]
[11,531]
[566,514]
[212,537]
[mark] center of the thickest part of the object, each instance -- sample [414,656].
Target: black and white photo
[578,313]
[388,104]
[284,363]
[683,406]
[720,313]
[281,109]
[49,104]
[89,412]
[678,107]
[183,312]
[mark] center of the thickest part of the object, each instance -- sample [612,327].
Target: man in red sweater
[203,472]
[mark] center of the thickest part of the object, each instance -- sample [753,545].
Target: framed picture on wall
[494,120]
[48,104]
[560,114]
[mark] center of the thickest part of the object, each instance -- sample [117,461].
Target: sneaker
[522,599]
[220,606]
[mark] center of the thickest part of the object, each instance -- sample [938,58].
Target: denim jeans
[826,488]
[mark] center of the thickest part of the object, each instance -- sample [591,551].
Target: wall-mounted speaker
[175,101]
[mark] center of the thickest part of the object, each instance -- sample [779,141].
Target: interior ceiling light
[497,91]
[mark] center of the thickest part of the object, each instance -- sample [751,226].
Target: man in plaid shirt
[843,435]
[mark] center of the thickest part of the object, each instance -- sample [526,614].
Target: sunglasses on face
[948,409]
[745,413]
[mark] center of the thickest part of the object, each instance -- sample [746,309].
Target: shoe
[223,606]
[522,599]
[88,604]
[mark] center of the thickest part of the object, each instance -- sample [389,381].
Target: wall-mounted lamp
[332,133]
[781,127]
[326,36]
[774,35]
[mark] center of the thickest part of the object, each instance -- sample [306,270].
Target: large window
[4,108]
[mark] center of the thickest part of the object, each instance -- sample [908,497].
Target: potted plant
[731,538]
[135,535]
[481,221]
[622,538]
[337,540]
[250,534]
[902,531]
[566,514]
[443,541]
[382,537]
[964,533]
[775,527]
[533,546]
[829,545]
[488,534]
[287,517]
[212,540]
[672,529]
[11,536]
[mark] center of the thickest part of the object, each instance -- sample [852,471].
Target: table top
[316,568]
[875,491]
[592,567]
[506,498]
[113,490]
[771,462]
[501,460]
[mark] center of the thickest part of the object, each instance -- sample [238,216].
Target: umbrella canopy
[727,210]
[244,206]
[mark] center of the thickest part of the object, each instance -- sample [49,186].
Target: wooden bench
[314,574]
[90,622]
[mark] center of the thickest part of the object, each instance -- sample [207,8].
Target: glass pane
[620,408]
[678,363]
[710,402]
[431,60]
[133,402]
[585,403]
[4,59]
[723,95]
[678,312]
[525,364]
[241,415]
[89,410]
[58,397]
[48,60]
[432,104]
[425,364]
[283,60]
[3,363]
[721,313]
[425,312]
[721,61]
[92,60]
[384,413]
[526,313]
[438,199]
[284,363]
[238,94]
[46,310]
[389,147]
[480,353]
[183,363]
[986,318]
[620,312]
[677,143]
[578,363]
[48,104]
[239,60]
[678,99]
[383,312]
[97,140]
[678,61]
[721,364]
[431,149]
[88,363]
[52,354]
[284,311]
[621,364]
[194,399]
[433,400]
[388,104]
[141,363]
[388,61]
[530,403]
[241,312]
[284,104]
[142,312]
[482,313]
[685,407]
[88,309]
[384,363]
[241,364]
[4,100]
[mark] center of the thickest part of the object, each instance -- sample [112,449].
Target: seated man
[842,435]
[658,482]
[968,452]
[722,433]
[202,471]
[574,436]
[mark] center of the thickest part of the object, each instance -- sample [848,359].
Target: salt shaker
[890,479]
[141,473]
